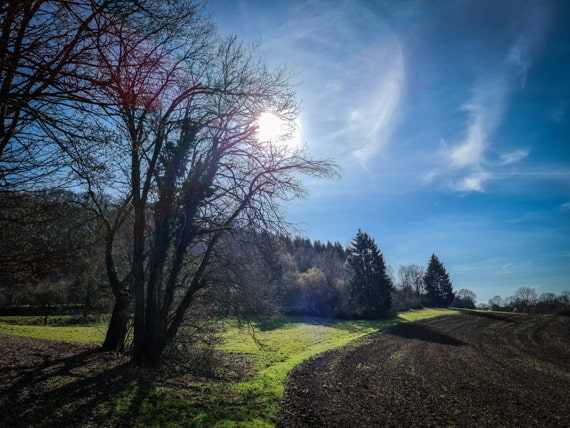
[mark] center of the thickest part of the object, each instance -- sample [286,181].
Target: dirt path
[469,370]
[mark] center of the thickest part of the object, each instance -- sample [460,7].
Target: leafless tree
[411,279]
[496,303]
[465,298]
[525,298]
[178,109]
[143,102]
[44,47]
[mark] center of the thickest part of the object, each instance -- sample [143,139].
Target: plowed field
[470,370]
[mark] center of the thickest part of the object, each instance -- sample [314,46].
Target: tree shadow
[490,315]
[421,332]
[358,326]
[87,388]
[272,323]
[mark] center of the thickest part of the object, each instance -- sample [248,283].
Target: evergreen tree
[439,290]
[371,285]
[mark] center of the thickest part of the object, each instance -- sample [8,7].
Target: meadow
[67,373]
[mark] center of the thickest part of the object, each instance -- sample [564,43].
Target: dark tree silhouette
[179,108]
[464,298]
[45,46]
[370,285]
[438,286]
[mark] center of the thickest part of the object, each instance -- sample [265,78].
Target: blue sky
[450,120]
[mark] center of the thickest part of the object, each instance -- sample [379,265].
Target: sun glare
[272,128]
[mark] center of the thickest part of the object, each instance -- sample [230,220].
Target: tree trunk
[138,257]
[117,331]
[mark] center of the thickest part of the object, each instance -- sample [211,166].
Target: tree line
[61,264]
[527,300]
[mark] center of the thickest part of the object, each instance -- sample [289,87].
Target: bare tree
[48,239]
[465,298]
[411,279]
[525,298]
[44,46]
[142,101]
[178,110]
[496,303]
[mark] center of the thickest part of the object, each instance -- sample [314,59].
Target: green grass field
[279,345]
[58,328]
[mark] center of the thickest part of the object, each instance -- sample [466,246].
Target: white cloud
[468,164]
[565,206]
[519,57]
[474,182]
[485,111]
[378,103]
[470,152]
[531,22]
[353,76]
[513,157]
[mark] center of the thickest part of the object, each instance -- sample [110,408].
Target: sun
[272,128]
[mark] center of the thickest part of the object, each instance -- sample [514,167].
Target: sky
[450,120]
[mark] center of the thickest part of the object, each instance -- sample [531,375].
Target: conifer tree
[438,286]
[370,286]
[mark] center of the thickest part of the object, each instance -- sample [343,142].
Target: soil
[40,380]
[57,384]
[476,369]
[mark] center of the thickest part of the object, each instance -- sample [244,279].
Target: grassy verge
[57,329]
[253,402]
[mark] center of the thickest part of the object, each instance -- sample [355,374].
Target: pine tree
[370,286]
[438,286]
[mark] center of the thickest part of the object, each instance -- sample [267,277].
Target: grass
[55,330]
[278,346]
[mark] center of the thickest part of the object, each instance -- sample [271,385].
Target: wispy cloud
[464,164]
[374,112]
[474,182]
[514,156]
[353,77]
[485,110]
[468,164]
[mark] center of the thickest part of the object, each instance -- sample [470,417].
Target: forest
[60,267]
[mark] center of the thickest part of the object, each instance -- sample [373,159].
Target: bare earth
[468,370]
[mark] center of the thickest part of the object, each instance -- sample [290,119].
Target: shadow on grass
[422,332]
[357,326]
[88,388]
[273,323]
